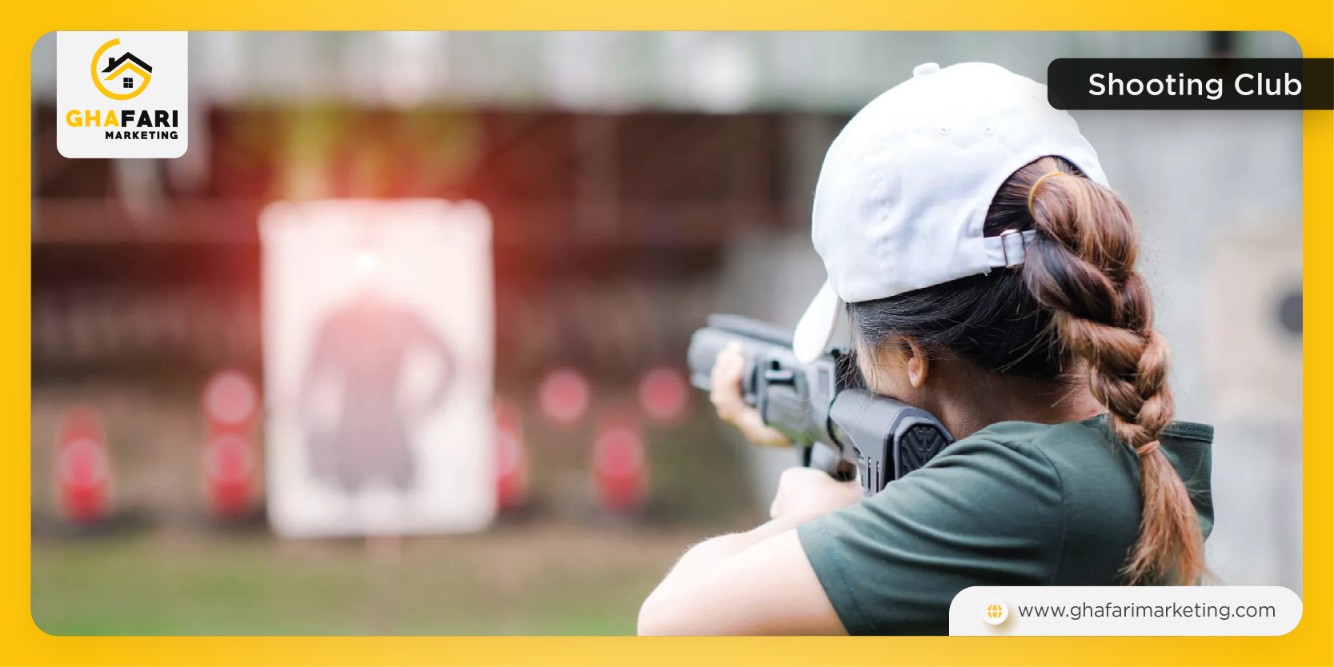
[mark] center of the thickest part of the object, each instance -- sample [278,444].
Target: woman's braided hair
[1082,269]
[1077,305]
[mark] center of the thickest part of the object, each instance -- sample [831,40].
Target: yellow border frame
[22,642]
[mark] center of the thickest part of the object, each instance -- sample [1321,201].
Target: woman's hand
[731,407]
[806,493]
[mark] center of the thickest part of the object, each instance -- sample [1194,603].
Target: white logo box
[133,102]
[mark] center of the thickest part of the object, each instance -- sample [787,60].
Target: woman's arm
[767,587]
[759,581]
[756,582]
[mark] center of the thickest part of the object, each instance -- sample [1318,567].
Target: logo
[135,105]
[127,71]
[994,611]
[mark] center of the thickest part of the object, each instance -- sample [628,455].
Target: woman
[989,277]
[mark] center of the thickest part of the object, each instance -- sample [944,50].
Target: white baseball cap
[905,187]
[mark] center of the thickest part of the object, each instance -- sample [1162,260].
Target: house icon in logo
[124,77]
[127,61]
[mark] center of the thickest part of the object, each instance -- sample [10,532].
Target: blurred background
[635,182]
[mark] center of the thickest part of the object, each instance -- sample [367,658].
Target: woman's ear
[919,364]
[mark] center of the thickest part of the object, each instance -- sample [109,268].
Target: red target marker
[230,460]
[83,467]
[564,396]
[620,466]
[664,394]
[230,400]
[229,475]
[511,459]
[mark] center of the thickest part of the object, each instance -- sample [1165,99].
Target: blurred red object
[664,394]
[83,467]
[230,400]
[620,466]
[230,462]
[511,458]
[564,396]
[229,475]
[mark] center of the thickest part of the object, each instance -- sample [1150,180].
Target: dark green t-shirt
[1015,504]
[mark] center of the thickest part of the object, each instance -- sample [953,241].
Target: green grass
[538,579]
[170,571]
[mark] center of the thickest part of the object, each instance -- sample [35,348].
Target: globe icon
[994,611]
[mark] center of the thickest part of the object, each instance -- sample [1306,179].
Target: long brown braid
[1081,267]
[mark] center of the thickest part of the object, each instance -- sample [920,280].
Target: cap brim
[816,328]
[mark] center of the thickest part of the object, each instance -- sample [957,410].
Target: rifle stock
[837,424]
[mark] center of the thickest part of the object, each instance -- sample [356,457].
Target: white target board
[378,351]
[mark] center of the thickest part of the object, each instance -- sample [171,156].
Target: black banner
[1191,83]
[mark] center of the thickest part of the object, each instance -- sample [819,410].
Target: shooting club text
[128,124]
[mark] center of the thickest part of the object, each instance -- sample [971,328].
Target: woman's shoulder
[1059,447]
[1097,473]
[1094,476]
[1091,445]
[1027,435]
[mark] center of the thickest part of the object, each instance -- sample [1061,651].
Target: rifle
[823,407]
